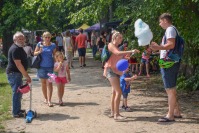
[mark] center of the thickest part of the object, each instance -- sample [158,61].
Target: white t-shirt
[169,33]
[67,44]
[62,71]
[59,40]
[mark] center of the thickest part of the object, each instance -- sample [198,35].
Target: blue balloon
[122,65]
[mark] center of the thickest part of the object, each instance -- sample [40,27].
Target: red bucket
[24,88]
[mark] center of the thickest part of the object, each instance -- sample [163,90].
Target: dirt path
[87,105]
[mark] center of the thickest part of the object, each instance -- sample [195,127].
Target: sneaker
[20,114]
[123,107]
[128,109]
[84,65]
[22,111]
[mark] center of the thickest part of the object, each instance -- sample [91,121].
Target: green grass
[5,99]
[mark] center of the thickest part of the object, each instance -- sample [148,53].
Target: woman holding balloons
[113,73]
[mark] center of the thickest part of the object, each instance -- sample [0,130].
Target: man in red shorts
[80,42]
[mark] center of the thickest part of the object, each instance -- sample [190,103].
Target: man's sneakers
[21,113]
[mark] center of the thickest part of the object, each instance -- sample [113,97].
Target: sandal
[119,117]
[50,105]
[165,119]
[61,104]
[45,102]
[111,115]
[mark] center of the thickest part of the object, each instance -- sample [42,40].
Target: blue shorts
[144,61]
[82,51]
[43,71]
[125,95]
[169,75]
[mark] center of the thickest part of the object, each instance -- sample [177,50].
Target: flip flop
[61,104]
[50,105]
[119,118]
[111,115]
[164,119]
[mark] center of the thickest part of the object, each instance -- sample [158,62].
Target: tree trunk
[7,41]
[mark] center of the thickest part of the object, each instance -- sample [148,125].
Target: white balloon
[143,33]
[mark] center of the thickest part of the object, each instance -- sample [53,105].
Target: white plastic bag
[143,33]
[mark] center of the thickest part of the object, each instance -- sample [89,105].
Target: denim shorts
[125,95]
[43,71]
[144,61]
[82,51]
[110,73]
[169,75]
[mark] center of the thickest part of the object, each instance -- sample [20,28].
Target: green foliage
[189,84]
[58,15]
[85,11]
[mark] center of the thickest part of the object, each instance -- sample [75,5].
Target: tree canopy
[58,15]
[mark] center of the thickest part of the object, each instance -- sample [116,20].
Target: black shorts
[82,51]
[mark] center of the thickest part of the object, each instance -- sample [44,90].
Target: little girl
[145,60]
[61,68]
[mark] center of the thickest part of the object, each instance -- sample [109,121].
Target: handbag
[36,61]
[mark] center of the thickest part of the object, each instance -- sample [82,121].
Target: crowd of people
[57,56]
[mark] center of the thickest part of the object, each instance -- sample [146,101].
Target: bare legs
[82,60]
[47,90]
[116,95]
[147,69]
[125,102]
[60,92]
[174,108]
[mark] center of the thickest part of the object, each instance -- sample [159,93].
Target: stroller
[29,115]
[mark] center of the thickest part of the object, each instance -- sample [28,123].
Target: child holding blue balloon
[125,82]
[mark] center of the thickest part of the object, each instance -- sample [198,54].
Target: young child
[145,60]
[125,82]
[62,69]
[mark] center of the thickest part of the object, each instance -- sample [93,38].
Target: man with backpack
[169,48]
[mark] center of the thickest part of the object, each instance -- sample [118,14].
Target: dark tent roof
[112,24]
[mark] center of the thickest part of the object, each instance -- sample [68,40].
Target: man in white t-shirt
[59,42]
[169,75]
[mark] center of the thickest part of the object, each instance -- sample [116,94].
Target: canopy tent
[74,31]
[112,24]
[95,27]
[84,26]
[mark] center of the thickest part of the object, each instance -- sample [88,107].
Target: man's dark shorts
[169,75]
[82,51]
